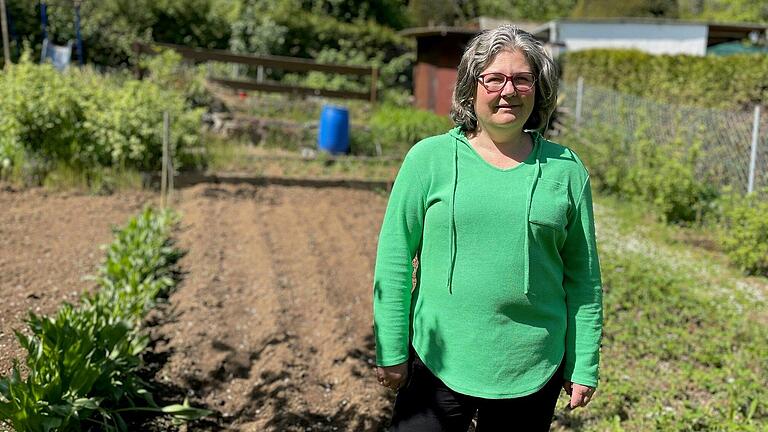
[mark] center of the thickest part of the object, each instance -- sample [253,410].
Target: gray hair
[480,53]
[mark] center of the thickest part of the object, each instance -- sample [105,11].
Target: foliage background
[272,26]
[737,81]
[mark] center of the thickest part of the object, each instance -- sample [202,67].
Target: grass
[684,346]
[63,177]
[98,181]
[288,107]
[232,155]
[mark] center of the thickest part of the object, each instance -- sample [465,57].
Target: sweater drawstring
[452,218]
[528,231]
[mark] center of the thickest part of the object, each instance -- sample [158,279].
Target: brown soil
[271,324]
[48,244]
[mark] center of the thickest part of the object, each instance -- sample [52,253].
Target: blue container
[333,133]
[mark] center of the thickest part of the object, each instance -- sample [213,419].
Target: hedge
[731,82]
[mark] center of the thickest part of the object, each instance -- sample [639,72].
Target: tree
[433,12]
[525,10]
[753,11]
[626,8]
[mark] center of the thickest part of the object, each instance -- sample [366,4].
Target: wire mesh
[724,137]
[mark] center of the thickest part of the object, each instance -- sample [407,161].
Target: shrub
[398,129]
[744,230]
[661,173]
[83,119]
[291,30]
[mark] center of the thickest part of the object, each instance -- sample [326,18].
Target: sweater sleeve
[584,295]
[399,241]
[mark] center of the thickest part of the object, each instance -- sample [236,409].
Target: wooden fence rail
[277,62]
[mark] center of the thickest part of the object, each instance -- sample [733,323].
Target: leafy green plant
[398,129]
[744,230]
[292,29]
[82,362]
[663,174]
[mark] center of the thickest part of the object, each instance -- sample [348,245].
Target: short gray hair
[480,53]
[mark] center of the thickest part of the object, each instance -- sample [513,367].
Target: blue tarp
[730,48]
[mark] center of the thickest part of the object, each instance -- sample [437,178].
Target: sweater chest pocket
[549,206]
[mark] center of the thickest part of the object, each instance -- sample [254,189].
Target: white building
[655,36]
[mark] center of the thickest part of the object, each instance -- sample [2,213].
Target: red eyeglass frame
[509,78]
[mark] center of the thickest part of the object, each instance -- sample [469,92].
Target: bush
[691,80]
[661,173]
[398,129]
[83,119]
[744,230]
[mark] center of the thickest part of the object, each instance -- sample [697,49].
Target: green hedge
[84,119]
[737,81]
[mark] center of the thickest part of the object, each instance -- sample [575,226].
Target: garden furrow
[272,323]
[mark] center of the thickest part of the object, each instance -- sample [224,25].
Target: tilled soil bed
[271,323]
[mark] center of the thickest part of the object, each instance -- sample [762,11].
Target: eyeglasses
[522,82]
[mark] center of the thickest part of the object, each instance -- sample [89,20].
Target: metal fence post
[579,98]
[753,154]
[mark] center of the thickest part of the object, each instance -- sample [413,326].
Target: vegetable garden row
[81,364]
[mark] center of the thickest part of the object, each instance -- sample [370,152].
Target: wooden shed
[438,52]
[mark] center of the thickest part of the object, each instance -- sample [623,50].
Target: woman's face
[506,109]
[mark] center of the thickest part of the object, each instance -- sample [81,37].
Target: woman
[507,307]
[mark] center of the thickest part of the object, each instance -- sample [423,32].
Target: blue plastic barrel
[333,133]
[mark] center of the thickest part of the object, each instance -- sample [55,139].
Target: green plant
[677,79]
[293,29]
[86,120]
[744,230]
[683,344]
[82,362]
[169,72]
[93,180]
[636,167]
[398,129]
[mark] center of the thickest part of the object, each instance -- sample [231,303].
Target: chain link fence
[734,144]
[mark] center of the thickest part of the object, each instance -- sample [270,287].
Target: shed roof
[717,32]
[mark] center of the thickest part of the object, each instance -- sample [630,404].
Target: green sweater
[508,285]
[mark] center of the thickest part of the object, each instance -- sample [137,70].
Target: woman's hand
[580,394]
[392,377]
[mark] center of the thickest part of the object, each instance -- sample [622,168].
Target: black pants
[426,404]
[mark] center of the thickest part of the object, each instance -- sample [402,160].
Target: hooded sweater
[508,285]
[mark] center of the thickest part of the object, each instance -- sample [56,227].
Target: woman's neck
[516,145]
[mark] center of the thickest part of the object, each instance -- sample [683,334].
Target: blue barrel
[333,133]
